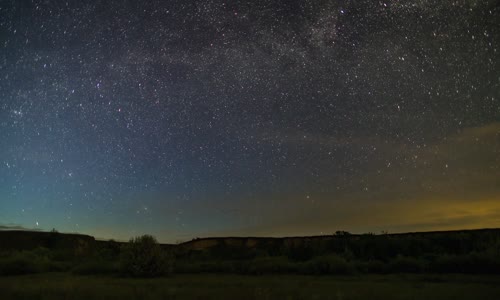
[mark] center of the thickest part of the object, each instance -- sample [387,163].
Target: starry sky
[186,118]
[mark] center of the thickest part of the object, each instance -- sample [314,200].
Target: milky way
[199,118]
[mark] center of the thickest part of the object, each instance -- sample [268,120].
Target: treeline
[140,257]
[475,252]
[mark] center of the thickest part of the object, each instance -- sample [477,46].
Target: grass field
[65,286]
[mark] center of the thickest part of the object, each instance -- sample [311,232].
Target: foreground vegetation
[220,286]
[461,252]
[438,265]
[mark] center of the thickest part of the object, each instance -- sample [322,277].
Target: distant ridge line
[220,238]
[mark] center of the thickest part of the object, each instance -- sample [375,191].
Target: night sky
[187,119]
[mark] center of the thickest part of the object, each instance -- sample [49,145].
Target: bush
[143,257]
[260,265]
[330,264]
[403,264]
[28,262]
[270,265]
[299,252]
[109,250]
[19,264]
[475,263]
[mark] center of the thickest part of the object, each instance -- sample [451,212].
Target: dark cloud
[17,227]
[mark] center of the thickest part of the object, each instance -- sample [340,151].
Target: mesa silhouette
[463,251]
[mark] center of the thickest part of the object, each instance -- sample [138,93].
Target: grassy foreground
[206,286]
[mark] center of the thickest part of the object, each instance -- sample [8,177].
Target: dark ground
[210,286]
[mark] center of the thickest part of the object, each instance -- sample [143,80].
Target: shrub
[19,264]
[299,252]
[403,264]
[143,257]
[475,263]
[270,265]
[331,264]
[107,251]
[28,262]
[259,265]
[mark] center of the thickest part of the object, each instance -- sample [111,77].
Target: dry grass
[67,286]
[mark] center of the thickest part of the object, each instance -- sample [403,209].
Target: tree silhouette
[144,257]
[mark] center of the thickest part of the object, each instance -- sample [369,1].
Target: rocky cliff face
[76,244]
[250,242]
